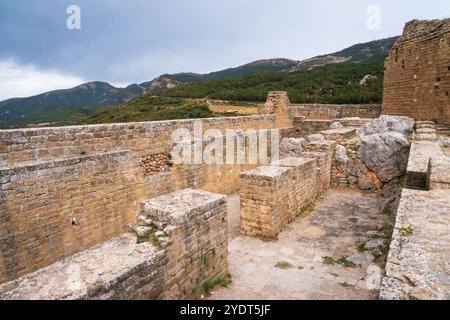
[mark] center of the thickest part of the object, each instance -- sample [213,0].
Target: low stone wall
[265,194]
[143,138]
[417,265]
[273,196]
[438,176]
[191,225]
[334,111]
[53,209]
[304,127]
[181,248]
[305,183]
[418,163]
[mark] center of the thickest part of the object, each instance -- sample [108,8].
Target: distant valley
[332,78]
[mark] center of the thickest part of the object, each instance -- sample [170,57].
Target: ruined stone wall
[334,111]
[279,105]
[273,196]
[178,252]
[304,127]
[191,226]
[144,139]
[417,72]
[265,195]
[53,209]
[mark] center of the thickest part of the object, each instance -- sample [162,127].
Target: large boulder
[386,123]
[340,158]
[292,147]
[385,154]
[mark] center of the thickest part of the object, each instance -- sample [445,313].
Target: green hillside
[150,108]
[335,83]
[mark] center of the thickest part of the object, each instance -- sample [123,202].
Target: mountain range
[66,106]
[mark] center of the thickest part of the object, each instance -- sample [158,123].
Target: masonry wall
[417,72]
[335,111]
[179,251]
[304,128]
[191,227]
[146,138]
[54,209]
[273,196]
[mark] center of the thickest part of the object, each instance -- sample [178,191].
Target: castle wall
[54,209]
[144,138]
[180,252]
[417,72]
[335,111]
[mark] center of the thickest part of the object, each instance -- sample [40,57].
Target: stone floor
[293,267]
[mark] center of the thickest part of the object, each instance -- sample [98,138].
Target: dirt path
[294,266]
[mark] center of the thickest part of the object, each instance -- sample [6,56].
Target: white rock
[385,123]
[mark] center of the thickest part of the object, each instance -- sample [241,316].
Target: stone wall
[278,104]
[144,139]
[304,127]
[50,210]
[334,111]
[417,72]
[192,227]
[265,194]
[273,196]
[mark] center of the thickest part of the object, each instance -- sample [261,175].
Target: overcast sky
[122,42]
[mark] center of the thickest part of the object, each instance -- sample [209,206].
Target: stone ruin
[103,211]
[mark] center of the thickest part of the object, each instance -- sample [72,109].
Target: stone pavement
[293,267]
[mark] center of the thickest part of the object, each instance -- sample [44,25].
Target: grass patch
[329,261]
[362,246]
[410,135]
[283,265]
[221,282]
[345,262]
[406,231]
[301,267]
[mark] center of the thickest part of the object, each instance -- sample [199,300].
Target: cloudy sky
[122,42]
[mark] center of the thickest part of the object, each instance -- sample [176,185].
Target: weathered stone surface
[292,147]
[385,123]
[385,154]
[361,259]
[416,76]
[336,125]
[375,245]
[316,138]
[418,263]
[438,176]
[367,78]
[97,273]
[418,163]
[340,158]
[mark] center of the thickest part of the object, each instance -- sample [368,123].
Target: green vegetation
[406,231]
[346,285]
[343,261]
[335,83]
[150,108]
[283,265]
